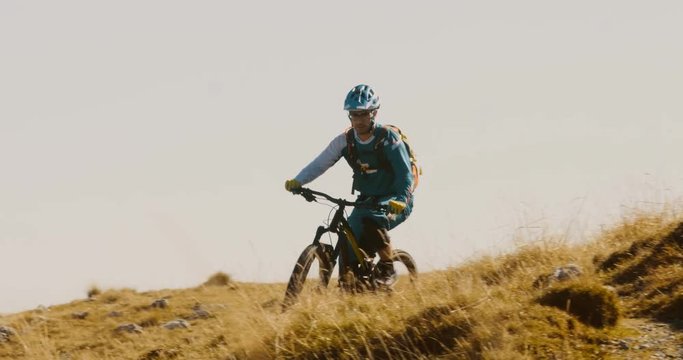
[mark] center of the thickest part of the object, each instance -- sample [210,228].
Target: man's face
[361,120]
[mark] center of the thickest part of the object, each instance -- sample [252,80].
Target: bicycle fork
[341,227]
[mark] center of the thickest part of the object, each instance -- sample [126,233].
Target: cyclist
[382,173]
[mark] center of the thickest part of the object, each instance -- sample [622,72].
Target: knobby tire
[312,253]
[408,261]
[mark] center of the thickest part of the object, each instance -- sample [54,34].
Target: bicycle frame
[353,276]
[340,226]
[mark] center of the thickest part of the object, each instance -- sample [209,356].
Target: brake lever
[306,194]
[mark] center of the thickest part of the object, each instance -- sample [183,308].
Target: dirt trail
[654,340]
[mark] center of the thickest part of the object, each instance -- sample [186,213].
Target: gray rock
[177,324]
[160,304]
[115,314]
[129,328]
[80,315]
[200,313]
[5,333]
[623,345]
[567,272]
[561,273]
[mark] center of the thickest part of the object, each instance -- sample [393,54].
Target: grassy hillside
[503,307]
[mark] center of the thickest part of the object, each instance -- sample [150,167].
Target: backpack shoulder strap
[395,129]
[381,134]
[352,155]
[351,145]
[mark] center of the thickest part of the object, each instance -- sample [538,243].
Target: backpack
[416,169]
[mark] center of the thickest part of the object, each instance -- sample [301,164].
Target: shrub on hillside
[619,257]
[436,330]
[93,291]
[218,279]
[592,304]
[644,257]
[673,310]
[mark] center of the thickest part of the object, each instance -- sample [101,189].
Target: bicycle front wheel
[312,271]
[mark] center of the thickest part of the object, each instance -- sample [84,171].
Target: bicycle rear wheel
[317,257]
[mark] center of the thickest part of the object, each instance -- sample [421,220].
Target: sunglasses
[362,113]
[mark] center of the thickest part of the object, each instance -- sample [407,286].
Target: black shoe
[386,275]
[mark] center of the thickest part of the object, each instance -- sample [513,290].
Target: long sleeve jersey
[374,180]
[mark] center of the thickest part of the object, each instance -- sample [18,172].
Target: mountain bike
[354,275]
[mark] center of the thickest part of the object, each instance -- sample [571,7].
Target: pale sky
[145,144]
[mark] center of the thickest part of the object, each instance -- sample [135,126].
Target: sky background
[145,144]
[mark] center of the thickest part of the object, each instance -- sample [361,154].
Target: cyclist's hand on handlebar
[396,207]
[292,184]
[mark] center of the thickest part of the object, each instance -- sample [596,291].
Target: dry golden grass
[487,308]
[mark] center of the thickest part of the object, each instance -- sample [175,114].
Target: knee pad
[374,236]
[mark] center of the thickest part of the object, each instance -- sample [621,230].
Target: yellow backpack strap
[416,169]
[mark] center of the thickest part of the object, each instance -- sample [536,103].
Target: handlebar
[312,195]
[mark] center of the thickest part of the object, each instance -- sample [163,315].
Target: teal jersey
[370,178]
[387,177]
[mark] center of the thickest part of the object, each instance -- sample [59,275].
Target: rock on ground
[177,324]
[5,333]
[129,328]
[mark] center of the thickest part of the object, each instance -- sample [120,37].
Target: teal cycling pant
[383,220]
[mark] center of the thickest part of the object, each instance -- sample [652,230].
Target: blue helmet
[361,97]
